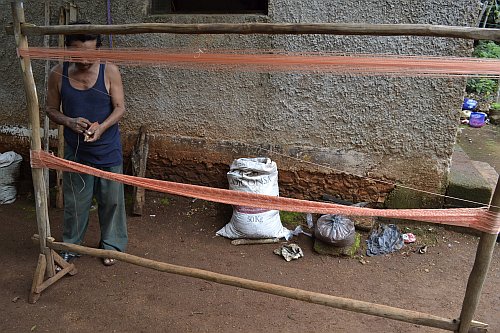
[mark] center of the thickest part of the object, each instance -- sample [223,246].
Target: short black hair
[68,39]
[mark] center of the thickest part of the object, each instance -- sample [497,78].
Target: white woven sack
[254,175]
[9,173]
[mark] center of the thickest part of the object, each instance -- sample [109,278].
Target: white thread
[198,53]
[76,150]
[371,179]
[91,88]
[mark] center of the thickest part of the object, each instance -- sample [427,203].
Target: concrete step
[469,180]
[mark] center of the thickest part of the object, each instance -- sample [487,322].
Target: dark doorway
[209,7]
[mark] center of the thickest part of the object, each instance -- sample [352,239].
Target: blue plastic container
[477,119]
[469,104]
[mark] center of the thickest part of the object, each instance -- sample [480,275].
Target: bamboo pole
[42,214]
[479,271]
[373,309]
[272,28]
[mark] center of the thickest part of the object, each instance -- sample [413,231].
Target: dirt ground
[128,298]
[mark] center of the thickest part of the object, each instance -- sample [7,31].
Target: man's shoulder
[55,75]
[57,68]
[112,68]
[112,72]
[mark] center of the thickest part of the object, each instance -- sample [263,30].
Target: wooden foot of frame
[39,284]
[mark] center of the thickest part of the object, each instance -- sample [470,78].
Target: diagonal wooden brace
[39,284]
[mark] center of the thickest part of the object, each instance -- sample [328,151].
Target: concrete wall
[395,129]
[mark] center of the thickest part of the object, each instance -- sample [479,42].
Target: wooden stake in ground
[139,161]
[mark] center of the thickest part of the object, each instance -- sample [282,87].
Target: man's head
[84,42]
[70,39]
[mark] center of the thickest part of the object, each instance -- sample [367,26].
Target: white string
[372,179]
[76,150]
[91,88]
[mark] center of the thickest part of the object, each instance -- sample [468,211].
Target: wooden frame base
[374,309]
[39,284]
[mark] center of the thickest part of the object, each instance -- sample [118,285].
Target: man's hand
[79,125]
[93,133]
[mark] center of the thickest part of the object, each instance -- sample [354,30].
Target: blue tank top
[93,104]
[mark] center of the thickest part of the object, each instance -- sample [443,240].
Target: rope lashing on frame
[476,218]
[275,61]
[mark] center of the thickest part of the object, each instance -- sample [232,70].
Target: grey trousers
[79,189]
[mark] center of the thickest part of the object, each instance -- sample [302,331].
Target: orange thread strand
[262,60]
[476,218]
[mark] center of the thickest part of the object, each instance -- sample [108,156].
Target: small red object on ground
[409,238]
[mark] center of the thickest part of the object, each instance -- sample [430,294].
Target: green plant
[495,106]
[292,218]
[487,49]
[482,86]
[486,87]
[165,201]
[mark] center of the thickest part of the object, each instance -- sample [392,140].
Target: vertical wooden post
[60,128]
[42,214]
[67,14]
[46,122]
[477,276]
[139,160]
[72,13]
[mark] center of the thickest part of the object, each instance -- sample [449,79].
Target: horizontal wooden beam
[269,28]
[373,309]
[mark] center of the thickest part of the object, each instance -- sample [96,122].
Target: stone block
[466,182]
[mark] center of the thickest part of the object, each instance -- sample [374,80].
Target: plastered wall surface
[396,129]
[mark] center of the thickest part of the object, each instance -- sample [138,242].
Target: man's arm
[117,100]
[54,101]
